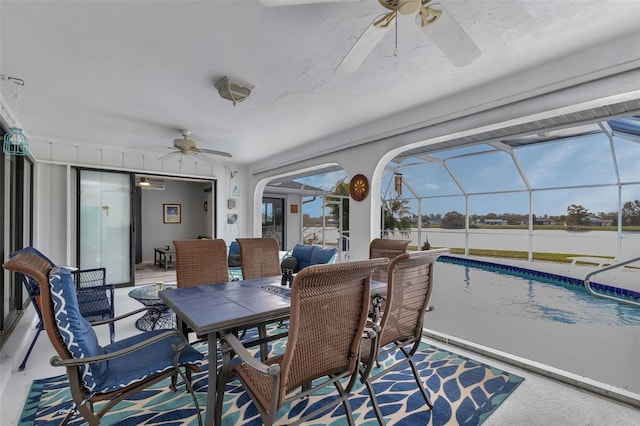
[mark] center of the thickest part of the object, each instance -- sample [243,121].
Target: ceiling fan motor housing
[403,7]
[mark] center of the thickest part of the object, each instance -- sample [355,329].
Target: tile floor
[537,401]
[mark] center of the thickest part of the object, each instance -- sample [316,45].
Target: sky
[580,163]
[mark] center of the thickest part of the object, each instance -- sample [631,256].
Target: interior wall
[155,233]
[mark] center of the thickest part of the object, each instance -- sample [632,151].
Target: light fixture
[145,181]
[15,141]
[233,90]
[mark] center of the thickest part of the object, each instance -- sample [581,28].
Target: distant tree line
[397,215]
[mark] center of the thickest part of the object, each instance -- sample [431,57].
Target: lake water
[588,243]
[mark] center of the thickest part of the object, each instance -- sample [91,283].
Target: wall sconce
[234,173]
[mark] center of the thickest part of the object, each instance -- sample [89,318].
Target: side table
[163,257]
[148,296]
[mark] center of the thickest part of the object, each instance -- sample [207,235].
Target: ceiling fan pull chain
[395,51]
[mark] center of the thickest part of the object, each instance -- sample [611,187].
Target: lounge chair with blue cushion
[95,297]
[304,255]
[96,373]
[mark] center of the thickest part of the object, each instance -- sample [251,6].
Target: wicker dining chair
[259,257]
[383,247]
[409,287]
[199,262]
[95,373]
[329,305]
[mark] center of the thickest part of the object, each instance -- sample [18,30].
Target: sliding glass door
[273,219]
[16,219]
[105,225]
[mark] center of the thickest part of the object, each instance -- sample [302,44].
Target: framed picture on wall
[171,213]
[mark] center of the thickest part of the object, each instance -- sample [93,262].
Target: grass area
[514,254]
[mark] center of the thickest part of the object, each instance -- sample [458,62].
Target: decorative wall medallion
[359,187]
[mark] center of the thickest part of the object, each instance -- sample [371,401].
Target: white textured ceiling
[132,73]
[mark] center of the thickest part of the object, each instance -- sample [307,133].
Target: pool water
[539,317]
[513,293]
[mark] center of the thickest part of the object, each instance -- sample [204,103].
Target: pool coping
[532,273]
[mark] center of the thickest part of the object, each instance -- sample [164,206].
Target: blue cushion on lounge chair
[77,333]
[303,253]
[322,255]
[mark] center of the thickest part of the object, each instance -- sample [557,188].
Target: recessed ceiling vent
[234,90]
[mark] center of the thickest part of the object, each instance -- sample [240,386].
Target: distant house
[596,221]
[539,221]
[494,222]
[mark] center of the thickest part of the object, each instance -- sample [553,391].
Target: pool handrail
[621,263]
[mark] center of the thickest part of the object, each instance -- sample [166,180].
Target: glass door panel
[273,219]
[105,223]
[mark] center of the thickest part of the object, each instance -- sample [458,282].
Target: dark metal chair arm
[229,342]
[128,314]
[56,361]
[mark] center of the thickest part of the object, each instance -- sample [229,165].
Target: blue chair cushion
[30,283]
[322,255]
[234,248]
[144,362]
[303,253]
[76,332]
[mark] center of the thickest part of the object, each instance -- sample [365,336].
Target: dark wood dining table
[214,309]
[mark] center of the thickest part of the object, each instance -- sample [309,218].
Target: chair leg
[345,403]
[112,329]
[33,342]
[86,411]
[374,402]
[264,347]
[227,354]
[187,383]
[416,376]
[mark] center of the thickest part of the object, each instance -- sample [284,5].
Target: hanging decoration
[397,180]
[15,141]
[359,187]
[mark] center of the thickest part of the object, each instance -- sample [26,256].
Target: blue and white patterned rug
[463,391]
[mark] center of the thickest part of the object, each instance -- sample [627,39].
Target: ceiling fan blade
[211,151]
[169,155]
[206,159]
[294,2]
[448,36]
[364,45]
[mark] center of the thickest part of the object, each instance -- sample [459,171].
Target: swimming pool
[540,317]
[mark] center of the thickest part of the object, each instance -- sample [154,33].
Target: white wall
[155,233]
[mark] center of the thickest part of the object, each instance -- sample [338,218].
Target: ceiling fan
[432,18]
[186,146]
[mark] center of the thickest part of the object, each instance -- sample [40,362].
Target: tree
[577,215]
[453,220]
[631,213]
[395,211]
[341,189]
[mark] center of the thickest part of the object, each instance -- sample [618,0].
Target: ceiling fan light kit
[187,146]
[433,19]
[234,90]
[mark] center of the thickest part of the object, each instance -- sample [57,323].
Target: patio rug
[463,391]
